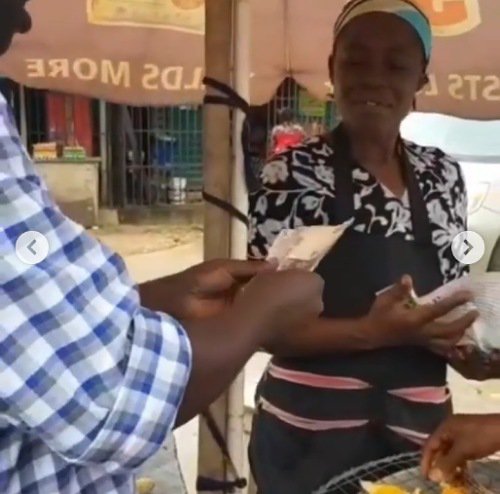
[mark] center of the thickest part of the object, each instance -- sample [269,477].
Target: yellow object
[371,488]
[453,490]
[145,486]
[46,151]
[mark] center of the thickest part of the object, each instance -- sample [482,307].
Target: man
[93,374]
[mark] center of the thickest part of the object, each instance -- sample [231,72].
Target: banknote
[305,247]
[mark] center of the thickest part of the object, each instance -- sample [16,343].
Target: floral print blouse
[298,189]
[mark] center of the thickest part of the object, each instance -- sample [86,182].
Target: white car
[483,186]
[476,146]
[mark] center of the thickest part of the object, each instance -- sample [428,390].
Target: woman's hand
[394,320]
[460,439]
[472,364]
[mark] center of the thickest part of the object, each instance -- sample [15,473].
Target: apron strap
[422,229]
[343,163]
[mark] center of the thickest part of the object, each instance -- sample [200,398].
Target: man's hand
[202,291]
[472,364]
[207,289]
[268,306]
[460,439]
[278,303]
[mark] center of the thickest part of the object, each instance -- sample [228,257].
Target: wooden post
[239,234]
[217,176]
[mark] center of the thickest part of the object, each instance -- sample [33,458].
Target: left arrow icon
[32,248]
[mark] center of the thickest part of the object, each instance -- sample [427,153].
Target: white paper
[305,247]
[485,288]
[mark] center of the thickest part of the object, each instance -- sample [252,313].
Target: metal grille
[404,471]
[155,154]
[36,117]
[314,116]
[163,154]
[166,143]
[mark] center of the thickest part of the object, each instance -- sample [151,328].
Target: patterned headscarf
[405,9]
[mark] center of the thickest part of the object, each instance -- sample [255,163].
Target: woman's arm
[288,199]
[326,336]
[389,323]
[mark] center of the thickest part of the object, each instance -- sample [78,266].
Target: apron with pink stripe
[317,418]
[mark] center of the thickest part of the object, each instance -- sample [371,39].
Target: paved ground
[469,397]
[131,240]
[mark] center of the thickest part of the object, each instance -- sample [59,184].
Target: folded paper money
[305,247]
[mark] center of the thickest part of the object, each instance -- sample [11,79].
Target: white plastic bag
[485,333]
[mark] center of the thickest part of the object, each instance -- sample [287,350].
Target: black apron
[288,460]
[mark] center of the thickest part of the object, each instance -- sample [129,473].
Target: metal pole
[103,145]
[23,116]
[217,182]
[241,78]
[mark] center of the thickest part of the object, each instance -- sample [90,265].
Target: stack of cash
[305,247]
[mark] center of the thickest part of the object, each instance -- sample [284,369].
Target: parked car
[483,186]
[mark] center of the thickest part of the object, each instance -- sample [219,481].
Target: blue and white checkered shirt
[90,381]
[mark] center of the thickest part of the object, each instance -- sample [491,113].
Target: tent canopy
[152,53]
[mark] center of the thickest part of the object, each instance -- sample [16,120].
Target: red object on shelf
[56,117]
[83,124]
[69,120]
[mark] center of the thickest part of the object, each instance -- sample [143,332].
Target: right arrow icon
[468,247]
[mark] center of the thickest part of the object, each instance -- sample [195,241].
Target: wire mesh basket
[404,471]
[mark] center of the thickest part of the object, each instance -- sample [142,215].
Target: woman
[368,380]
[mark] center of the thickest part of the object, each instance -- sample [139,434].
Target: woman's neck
[374,150]
[377,153]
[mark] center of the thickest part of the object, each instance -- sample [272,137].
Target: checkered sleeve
[83,366]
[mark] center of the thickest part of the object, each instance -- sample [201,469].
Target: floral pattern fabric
[298,189]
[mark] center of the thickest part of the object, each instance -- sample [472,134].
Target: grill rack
[404,471]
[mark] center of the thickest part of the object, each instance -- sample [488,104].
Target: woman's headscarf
[405,9]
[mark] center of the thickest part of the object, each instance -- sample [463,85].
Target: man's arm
[94,374]
[83,365]
[221,346]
